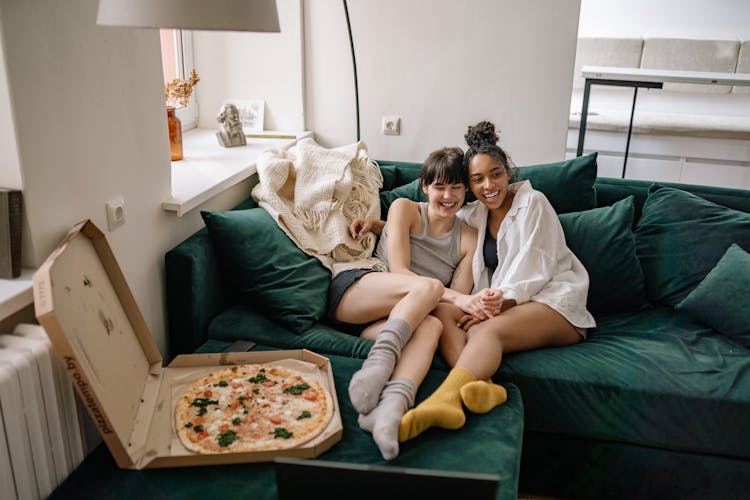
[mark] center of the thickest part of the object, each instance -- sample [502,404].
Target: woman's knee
[485,328]
[429,330]
[429,288]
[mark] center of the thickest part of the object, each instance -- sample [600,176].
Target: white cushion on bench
[691,55]
[682,124]
[603,51]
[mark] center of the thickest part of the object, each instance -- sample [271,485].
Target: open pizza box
[82,300]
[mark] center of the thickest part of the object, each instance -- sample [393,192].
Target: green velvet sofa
[654,404]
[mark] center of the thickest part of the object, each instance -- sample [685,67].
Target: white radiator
[40,434]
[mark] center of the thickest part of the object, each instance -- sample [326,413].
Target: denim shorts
[339,285]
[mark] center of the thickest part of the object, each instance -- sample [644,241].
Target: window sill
[207,169]
[16,293]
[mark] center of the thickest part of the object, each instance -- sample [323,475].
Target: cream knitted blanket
[314,193]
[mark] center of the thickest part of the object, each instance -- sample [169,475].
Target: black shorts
[339,285]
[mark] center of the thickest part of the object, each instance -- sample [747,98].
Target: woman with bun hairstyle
[521,252]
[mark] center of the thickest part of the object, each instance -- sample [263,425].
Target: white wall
[720,19]
[89,118]
[330,109]
[10,169]
[442,65]
[253,66]
[84,104]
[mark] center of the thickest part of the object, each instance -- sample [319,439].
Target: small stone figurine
[230,132]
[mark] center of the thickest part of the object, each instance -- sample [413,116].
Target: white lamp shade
[226,15]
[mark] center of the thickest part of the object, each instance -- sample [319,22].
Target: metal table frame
[644,78]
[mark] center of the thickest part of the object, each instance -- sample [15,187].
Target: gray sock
[366,384]
[383,422]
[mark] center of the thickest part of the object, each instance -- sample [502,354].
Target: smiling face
[488,180]
[445,198]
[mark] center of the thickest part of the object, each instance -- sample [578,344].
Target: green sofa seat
[489,444]
[652,378]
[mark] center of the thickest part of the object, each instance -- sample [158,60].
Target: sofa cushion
[411,190]
[603,240]
[266,268]
[654,378]
[568,185]
[680,237]
[720,299]
[243,322]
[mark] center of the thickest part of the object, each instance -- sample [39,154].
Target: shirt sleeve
[541,252]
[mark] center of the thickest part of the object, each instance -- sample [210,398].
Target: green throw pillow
[411,190]
[390,176]
[720,300]
[603,240]
[568,185]
[269,272]
[680,237]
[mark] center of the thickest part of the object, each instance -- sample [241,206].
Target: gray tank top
[435,257]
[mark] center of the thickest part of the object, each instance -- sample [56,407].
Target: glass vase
[175,134]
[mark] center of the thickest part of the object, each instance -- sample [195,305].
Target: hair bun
[483,133]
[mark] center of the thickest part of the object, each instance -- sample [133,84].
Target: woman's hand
[482,305]
[467,321]
[491,301]
[359,227]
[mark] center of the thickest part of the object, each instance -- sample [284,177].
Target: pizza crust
[252,407]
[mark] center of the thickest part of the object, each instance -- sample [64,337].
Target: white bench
[679,108]
[717,116]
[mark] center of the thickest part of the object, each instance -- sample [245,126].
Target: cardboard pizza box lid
[84,303]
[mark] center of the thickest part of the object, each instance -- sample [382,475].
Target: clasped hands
[484,304]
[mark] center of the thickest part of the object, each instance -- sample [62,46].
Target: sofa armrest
[195,292]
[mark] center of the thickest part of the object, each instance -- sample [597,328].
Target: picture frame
[252,112]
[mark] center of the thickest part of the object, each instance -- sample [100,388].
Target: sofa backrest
[610,190]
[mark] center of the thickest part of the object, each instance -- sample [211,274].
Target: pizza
[252,407]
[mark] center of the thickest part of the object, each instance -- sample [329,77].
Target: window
[177,60]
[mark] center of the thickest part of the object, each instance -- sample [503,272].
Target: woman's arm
[404,218]
[540,252]
[360,227]
[462,280]
[482,305]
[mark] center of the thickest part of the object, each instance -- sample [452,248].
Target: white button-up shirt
[534,262]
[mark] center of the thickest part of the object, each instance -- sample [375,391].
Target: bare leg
[527,326]
[408,299]
[389,295]
[398,395]
[453,339]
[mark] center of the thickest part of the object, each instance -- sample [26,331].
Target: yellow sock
[442,409]
[481,396]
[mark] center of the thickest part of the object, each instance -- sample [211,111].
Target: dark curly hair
[482,139]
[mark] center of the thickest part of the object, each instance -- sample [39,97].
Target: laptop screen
[308,479]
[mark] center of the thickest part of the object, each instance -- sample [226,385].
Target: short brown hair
[444,166]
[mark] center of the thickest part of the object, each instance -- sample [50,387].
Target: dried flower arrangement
[178,91]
